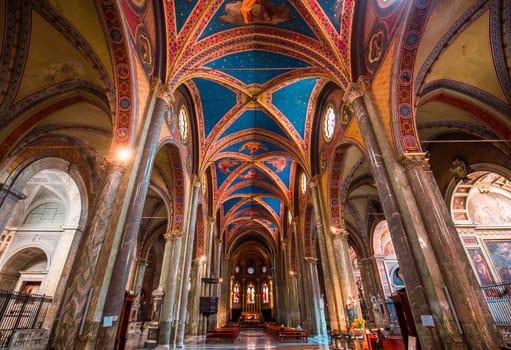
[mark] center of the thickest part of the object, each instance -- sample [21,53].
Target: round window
[250,270]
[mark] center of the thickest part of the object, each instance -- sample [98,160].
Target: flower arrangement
[358,324]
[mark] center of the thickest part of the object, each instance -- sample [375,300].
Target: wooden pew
[230,333]
[292,333]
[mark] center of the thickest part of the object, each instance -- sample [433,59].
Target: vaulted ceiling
[255,88]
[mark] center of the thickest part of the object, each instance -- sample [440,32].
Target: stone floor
[248,339]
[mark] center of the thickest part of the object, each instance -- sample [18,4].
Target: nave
[248,339]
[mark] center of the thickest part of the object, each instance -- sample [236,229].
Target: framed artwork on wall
[500,252]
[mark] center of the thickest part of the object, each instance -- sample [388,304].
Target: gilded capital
[356,90]
[162,91]
[340,233]
[414,160]
[173,235]
[311,259]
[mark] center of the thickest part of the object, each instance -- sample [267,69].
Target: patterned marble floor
[250,339]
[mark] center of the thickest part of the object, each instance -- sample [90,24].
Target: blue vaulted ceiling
[255,83]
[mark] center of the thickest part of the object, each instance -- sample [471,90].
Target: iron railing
[498,297]
[20,311]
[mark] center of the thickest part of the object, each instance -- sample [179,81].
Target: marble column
[347,279]
[216,288]
[159,295]
[136,286]
[187,263]
[80,286]
[419,280]
[284,285]
[293,312]
[303,292]
[121,268]
[318,306]
[169,275]
[327,258]
[373,293]
[468,306]
[224,302]
[197,272]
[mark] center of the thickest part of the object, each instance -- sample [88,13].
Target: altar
[251,320]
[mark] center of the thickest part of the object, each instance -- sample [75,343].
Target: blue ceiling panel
[254,119]
[183,10]
[333,10]
[256,190]
[293,100]
[274,203]
[216,101]
[250,66]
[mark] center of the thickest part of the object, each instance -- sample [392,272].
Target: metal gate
[20,311]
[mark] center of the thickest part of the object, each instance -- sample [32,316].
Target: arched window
[250,294]
[236,293]
[265,293]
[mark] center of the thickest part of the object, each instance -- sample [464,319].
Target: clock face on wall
[250,270]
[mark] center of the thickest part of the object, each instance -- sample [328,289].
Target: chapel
[169,168]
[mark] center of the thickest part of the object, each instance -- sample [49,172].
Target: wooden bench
[291,333]
[223,333]
[272,330]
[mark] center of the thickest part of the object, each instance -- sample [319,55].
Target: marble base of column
[153,330]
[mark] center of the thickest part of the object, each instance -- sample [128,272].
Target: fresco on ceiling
[246,147]
[141,20]
[252,174]
[253,147]
[255,12]
[227,165]
[381,22]
[278,164]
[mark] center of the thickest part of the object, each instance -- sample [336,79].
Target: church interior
[176,168]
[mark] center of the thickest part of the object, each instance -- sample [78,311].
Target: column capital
[162,91]
[311,259]
[114,164]
[314,182]
[413,160]
[173,235]
[142,261]
[356,90]
[340,233]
